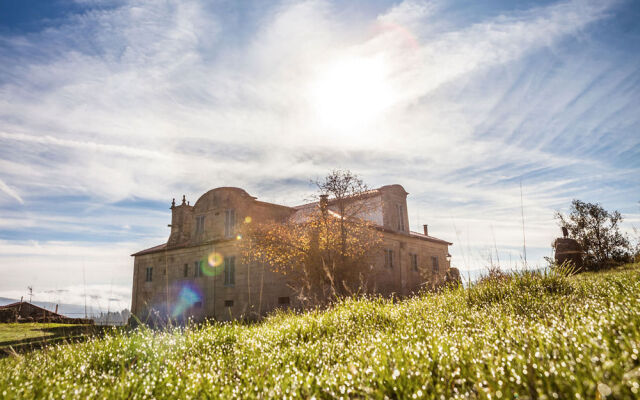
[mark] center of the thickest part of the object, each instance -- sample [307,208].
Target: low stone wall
[568,251]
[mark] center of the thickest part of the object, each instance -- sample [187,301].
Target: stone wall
[402,279]
[257,290]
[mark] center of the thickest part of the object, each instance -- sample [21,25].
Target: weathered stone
[568,251]
[207,232]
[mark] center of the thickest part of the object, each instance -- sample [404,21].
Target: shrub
[524,291]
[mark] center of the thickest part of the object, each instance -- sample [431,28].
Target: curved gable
[221,197]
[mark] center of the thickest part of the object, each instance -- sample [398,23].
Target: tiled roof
[362,195]
[302,212]
[21,303]
[430,238]
[150,250]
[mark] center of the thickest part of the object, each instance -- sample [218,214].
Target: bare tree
[346,193]
[598,232]
[326,254]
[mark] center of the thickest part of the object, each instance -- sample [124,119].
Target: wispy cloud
[52,265]
[150,100]
[11,192]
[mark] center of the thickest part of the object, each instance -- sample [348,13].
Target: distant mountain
[69,310]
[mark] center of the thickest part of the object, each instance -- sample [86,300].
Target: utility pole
[84,283]
[524,239]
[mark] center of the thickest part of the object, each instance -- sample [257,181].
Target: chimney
[324,202]
[426,229]
[56,308]
[565,232]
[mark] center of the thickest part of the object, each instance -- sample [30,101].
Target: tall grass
[532,335]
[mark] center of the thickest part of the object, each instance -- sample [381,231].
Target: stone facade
[177,278]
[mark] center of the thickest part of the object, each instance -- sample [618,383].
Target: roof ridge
[364,193]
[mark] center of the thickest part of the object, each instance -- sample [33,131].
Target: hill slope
[533,336]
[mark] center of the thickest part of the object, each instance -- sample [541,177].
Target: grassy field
[532,336]
[18,332]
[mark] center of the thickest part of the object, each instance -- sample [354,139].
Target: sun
[351,93]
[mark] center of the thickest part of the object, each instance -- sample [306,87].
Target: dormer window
[200,224]
[229,223]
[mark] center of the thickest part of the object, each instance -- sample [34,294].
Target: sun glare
[351,93]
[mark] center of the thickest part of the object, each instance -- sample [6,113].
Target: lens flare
[214,259]
[239,237]
[188,296]
[213,264]
[247,219]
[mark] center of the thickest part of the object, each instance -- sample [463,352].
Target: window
[200,224]
[197,304]
[388,258]
[436,267]
[186,270]
[283,300]
[414,261]
[198,269]
[149,276]
[228,303]
[229,223]
[229,271]
[400,210]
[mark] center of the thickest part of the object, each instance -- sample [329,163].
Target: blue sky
[109,109]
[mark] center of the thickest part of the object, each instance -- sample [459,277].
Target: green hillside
[532,336]
[14,332]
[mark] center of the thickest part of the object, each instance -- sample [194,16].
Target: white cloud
[11,192]
[152,100]
[60,271]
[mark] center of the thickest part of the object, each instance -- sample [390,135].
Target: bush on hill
[598,233]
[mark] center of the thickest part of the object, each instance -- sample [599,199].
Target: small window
[228,303]
[149,275]
[198,269]
[229,223]
[434,262]
[197,304]
[400,210]
[200,224]
[388,258]
[229,271]
[185,271]
[414,261]
[283,300]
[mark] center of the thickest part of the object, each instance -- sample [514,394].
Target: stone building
[198,271]
[27,312]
